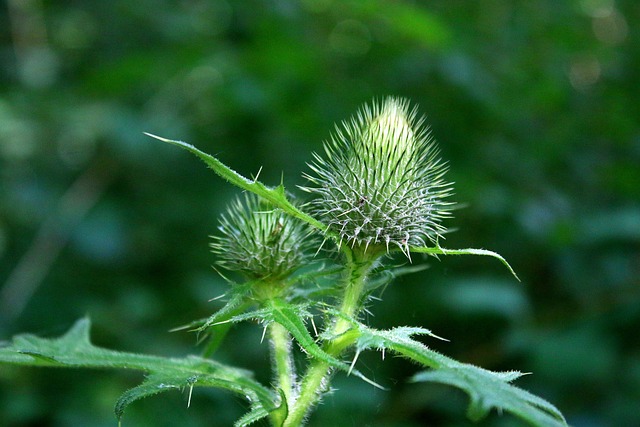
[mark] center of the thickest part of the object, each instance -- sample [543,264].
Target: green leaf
[289,316]
[276,196]
[74,350]
[262,315]
[438,250]
[486,389]
[256,414]
[215,327]
[277,415]
[238,302]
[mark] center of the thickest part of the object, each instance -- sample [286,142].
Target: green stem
[283,361]
[313,383]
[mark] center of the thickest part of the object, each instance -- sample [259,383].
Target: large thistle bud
[381,183]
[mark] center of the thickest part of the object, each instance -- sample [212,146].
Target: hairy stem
[315,379]
[283,362]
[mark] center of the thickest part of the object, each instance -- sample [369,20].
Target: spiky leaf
[439,250]
[75,350]
[487,390]
[276,196]
[292,318]
[251,417]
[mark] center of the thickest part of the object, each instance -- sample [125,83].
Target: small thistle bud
[259,241]
[381,183]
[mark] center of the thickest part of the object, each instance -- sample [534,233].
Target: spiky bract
[381,183]
[260,241]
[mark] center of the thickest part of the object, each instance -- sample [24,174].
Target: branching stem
[314,382]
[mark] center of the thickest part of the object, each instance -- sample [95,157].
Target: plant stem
[314,381]
[283,361]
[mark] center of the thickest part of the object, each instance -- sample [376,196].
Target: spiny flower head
[259,241]
[381,183]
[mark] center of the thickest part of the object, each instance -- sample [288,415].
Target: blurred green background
[535,105]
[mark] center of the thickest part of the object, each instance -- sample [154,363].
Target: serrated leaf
[289,316]
[279,415]
[487,390]
[276,196]
[74,350]
[238,301]
[256,414]
[261,315]
[214,328]
[439,250]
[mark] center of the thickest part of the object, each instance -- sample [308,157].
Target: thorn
[255,179]
[321,245]
[383,349]
[353,363]
[180,328]
[220,274]
[373,383]
[156,136]
[200,339]
[404,248]
[435,336]
[264,332]
[190,393]
[314,326]
[217,298]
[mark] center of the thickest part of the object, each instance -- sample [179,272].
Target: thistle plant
[379,188]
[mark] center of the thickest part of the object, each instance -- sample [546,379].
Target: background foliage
[535,106]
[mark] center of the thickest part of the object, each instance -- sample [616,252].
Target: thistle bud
[259,241]
[381,183]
